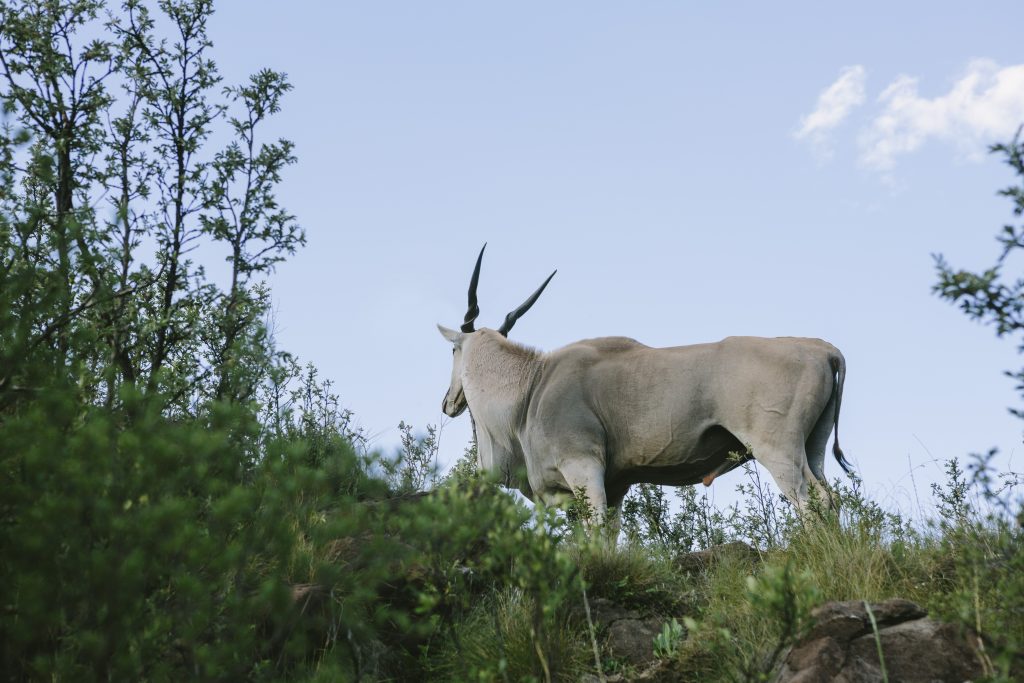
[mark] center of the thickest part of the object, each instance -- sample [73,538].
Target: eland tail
[839,368]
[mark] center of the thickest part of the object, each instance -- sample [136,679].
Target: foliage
[762,519]
[785,598]
[182,500]
[666,643]
[982,550]
[992,296]
[416,464]
[648,519]
[632,576]
[981,538]
[466,469]
[746,619]
[113,201]
[505,575]
[496,642]
[156,551]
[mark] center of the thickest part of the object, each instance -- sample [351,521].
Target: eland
[600,415]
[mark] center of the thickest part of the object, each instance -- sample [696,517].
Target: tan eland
[603,414]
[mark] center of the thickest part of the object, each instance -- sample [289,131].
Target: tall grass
[496,641]
[741,609]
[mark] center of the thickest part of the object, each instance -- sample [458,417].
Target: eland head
[454,403]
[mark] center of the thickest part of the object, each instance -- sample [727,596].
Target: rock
[308,594]
[841,647]
[923,650]
[850,619]
[604,612]
[702,560]
[633,639]
[628,636]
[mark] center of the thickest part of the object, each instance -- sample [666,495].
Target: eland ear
[451,335]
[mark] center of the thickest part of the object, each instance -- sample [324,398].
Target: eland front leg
[585,479]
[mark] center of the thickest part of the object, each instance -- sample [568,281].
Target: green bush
[133,546]
[127,550]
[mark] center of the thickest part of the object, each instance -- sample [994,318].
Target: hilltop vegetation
[183,500]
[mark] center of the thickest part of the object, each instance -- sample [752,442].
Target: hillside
[182,499]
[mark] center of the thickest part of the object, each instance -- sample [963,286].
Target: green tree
[150,522]
[993,296]
[113,201]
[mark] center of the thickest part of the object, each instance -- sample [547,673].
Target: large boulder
[842,647]
[703,560]
[628,635]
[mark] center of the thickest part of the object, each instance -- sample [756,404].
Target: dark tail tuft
[841,459]
[839,368]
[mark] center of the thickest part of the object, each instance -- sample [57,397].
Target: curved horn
[474,310]
[515,315]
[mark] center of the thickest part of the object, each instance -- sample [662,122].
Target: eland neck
[498,377]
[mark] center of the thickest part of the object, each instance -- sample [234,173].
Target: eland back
[600,415]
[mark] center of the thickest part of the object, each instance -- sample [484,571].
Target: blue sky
[693,171]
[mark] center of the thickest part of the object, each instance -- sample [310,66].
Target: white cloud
[985,105]
[834,104]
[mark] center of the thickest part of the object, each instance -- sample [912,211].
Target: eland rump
[603,414]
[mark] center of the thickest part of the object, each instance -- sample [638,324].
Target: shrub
[136,551]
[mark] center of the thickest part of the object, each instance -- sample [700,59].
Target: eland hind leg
[816,447]
[817,442]
[786,460]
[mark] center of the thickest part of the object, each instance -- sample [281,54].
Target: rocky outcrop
[702,560]
[842,647]
[628,636]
